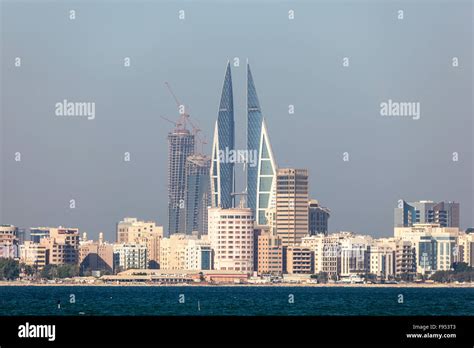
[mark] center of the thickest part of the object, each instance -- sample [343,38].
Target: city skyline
[64,159]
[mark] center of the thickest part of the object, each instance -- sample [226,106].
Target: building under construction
[198,195]
[180,146]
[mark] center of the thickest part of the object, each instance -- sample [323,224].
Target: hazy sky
[299,62]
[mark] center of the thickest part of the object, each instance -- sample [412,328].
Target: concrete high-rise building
[222,168]
[198,194]
[134,231]
[318,218]
[446,214]
[292,205]
[231,234]
[62,245]
[180,147]
[261,175]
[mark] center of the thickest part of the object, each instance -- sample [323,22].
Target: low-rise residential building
[130,256]
[198,254]
[271,254]
[34,254]
[62,245]
[355,255]
[435,246]
[382,258]
[9,241]
[299,260]
[465,252]
[173,251]
[134,231]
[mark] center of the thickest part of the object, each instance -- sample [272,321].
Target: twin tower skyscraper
[258,158]
[196,181]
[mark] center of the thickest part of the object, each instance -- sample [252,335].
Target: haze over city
[337,108]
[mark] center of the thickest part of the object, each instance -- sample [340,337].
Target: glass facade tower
[260,177]
[222,169]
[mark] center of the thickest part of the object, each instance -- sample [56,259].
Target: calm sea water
[242,301]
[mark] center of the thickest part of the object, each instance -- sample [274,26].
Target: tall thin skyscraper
[222,169]
[261,183]
[198,196]
[180,147]
[292,205]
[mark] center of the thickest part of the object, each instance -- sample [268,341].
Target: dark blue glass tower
[254,129]
[260,175]
[222,170]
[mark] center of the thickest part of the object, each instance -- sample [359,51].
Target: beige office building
[231,233]
[466,248]
[292,205]
[62,245]
[173,251]
[134,231]
[270,254]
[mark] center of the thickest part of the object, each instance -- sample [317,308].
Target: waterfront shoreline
[331,285]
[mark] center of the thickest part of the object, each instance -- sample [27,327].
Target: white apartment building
[382,258]
[465,252]
[130,256]
[231,236]
[8,241]
[355,255]
[198,254]
[327,251]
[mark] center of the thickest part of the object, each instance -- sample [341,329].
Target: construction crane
[176,124]
[181,108]
[184,118]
